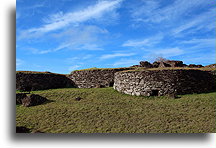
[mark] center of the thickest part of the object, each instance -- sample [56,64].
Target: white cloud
[109,56]
[199,58]
[143,42]
[208,44]
[74,67]
[19,62]
[82,38]
[204,41]
[204,21]
[153,11]
[62,20]
[77,38]
[125,62]
[79,58]
[17,15]
[169,52]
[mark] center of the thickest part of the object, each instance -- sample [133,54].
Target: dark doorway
[111,84]
[155,93]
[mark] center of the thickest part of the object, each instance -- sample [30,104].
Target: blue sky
[64,35]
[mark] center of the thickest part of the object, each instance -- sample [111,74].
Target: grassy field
[104,110]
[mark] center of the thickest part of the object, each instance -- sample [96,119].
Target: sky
[65,35]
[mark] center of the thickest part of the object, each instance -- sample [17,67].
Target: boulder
[78,98]
[211,66]
[146,64]
[163,64]
[195,66]
[156,64]
[19,97]
[33,100]
[174,63]
[199,66]
[22,129]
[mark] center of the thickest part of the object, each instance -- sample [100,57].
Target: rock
[156,64]
[30,81]
[164,82]
[36,131]
[19,97]
[95,78]
[199,66]
[172,95]
[98,86]
[195,66]
[174,63]
[192,65]
[33,100]
[211,66]
[78,98]
[163,64]
[146,64]
[22,129]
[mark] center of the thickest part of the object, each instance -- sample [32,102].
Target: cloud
[19,62]
[204,44]
[166,53]
[199,58]
[109,56]
[204,21]
[170,52]
[202,41]
[82,38]
[143,42]
[79,58]
[77,38]
[125,62]
[17,15]
[154,12]
[74,67]
[61,20]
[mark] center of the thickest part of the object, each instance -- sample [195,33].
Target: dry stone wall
[164,82]
[95,78]
[28,81]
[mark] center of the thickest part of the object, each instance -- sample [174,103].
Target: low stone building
[164,82]
[95,78]
[29,80]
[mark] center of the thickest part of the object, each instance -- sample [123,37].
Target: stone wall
[41,80]
[95,78]
[163,82]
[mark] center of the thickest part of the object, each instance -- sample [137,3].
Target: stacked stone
[39,81]
[164,82]
[95,78]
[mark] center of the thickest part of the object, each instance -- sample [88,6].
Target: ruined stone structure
[211,66]
[145,64]
[163,82]
[95,78]
[195,66]
[28,81]
[145,79]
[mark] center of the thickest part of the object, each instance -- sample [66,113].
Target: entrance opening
[155,93]
[111,84]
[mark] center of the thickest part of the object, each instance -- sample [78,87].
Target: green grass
[170,68]
[132,69]
[104,110]
[37,72]
[94,68]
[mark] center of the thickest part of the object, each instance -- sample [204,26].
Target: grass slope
[104,110]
